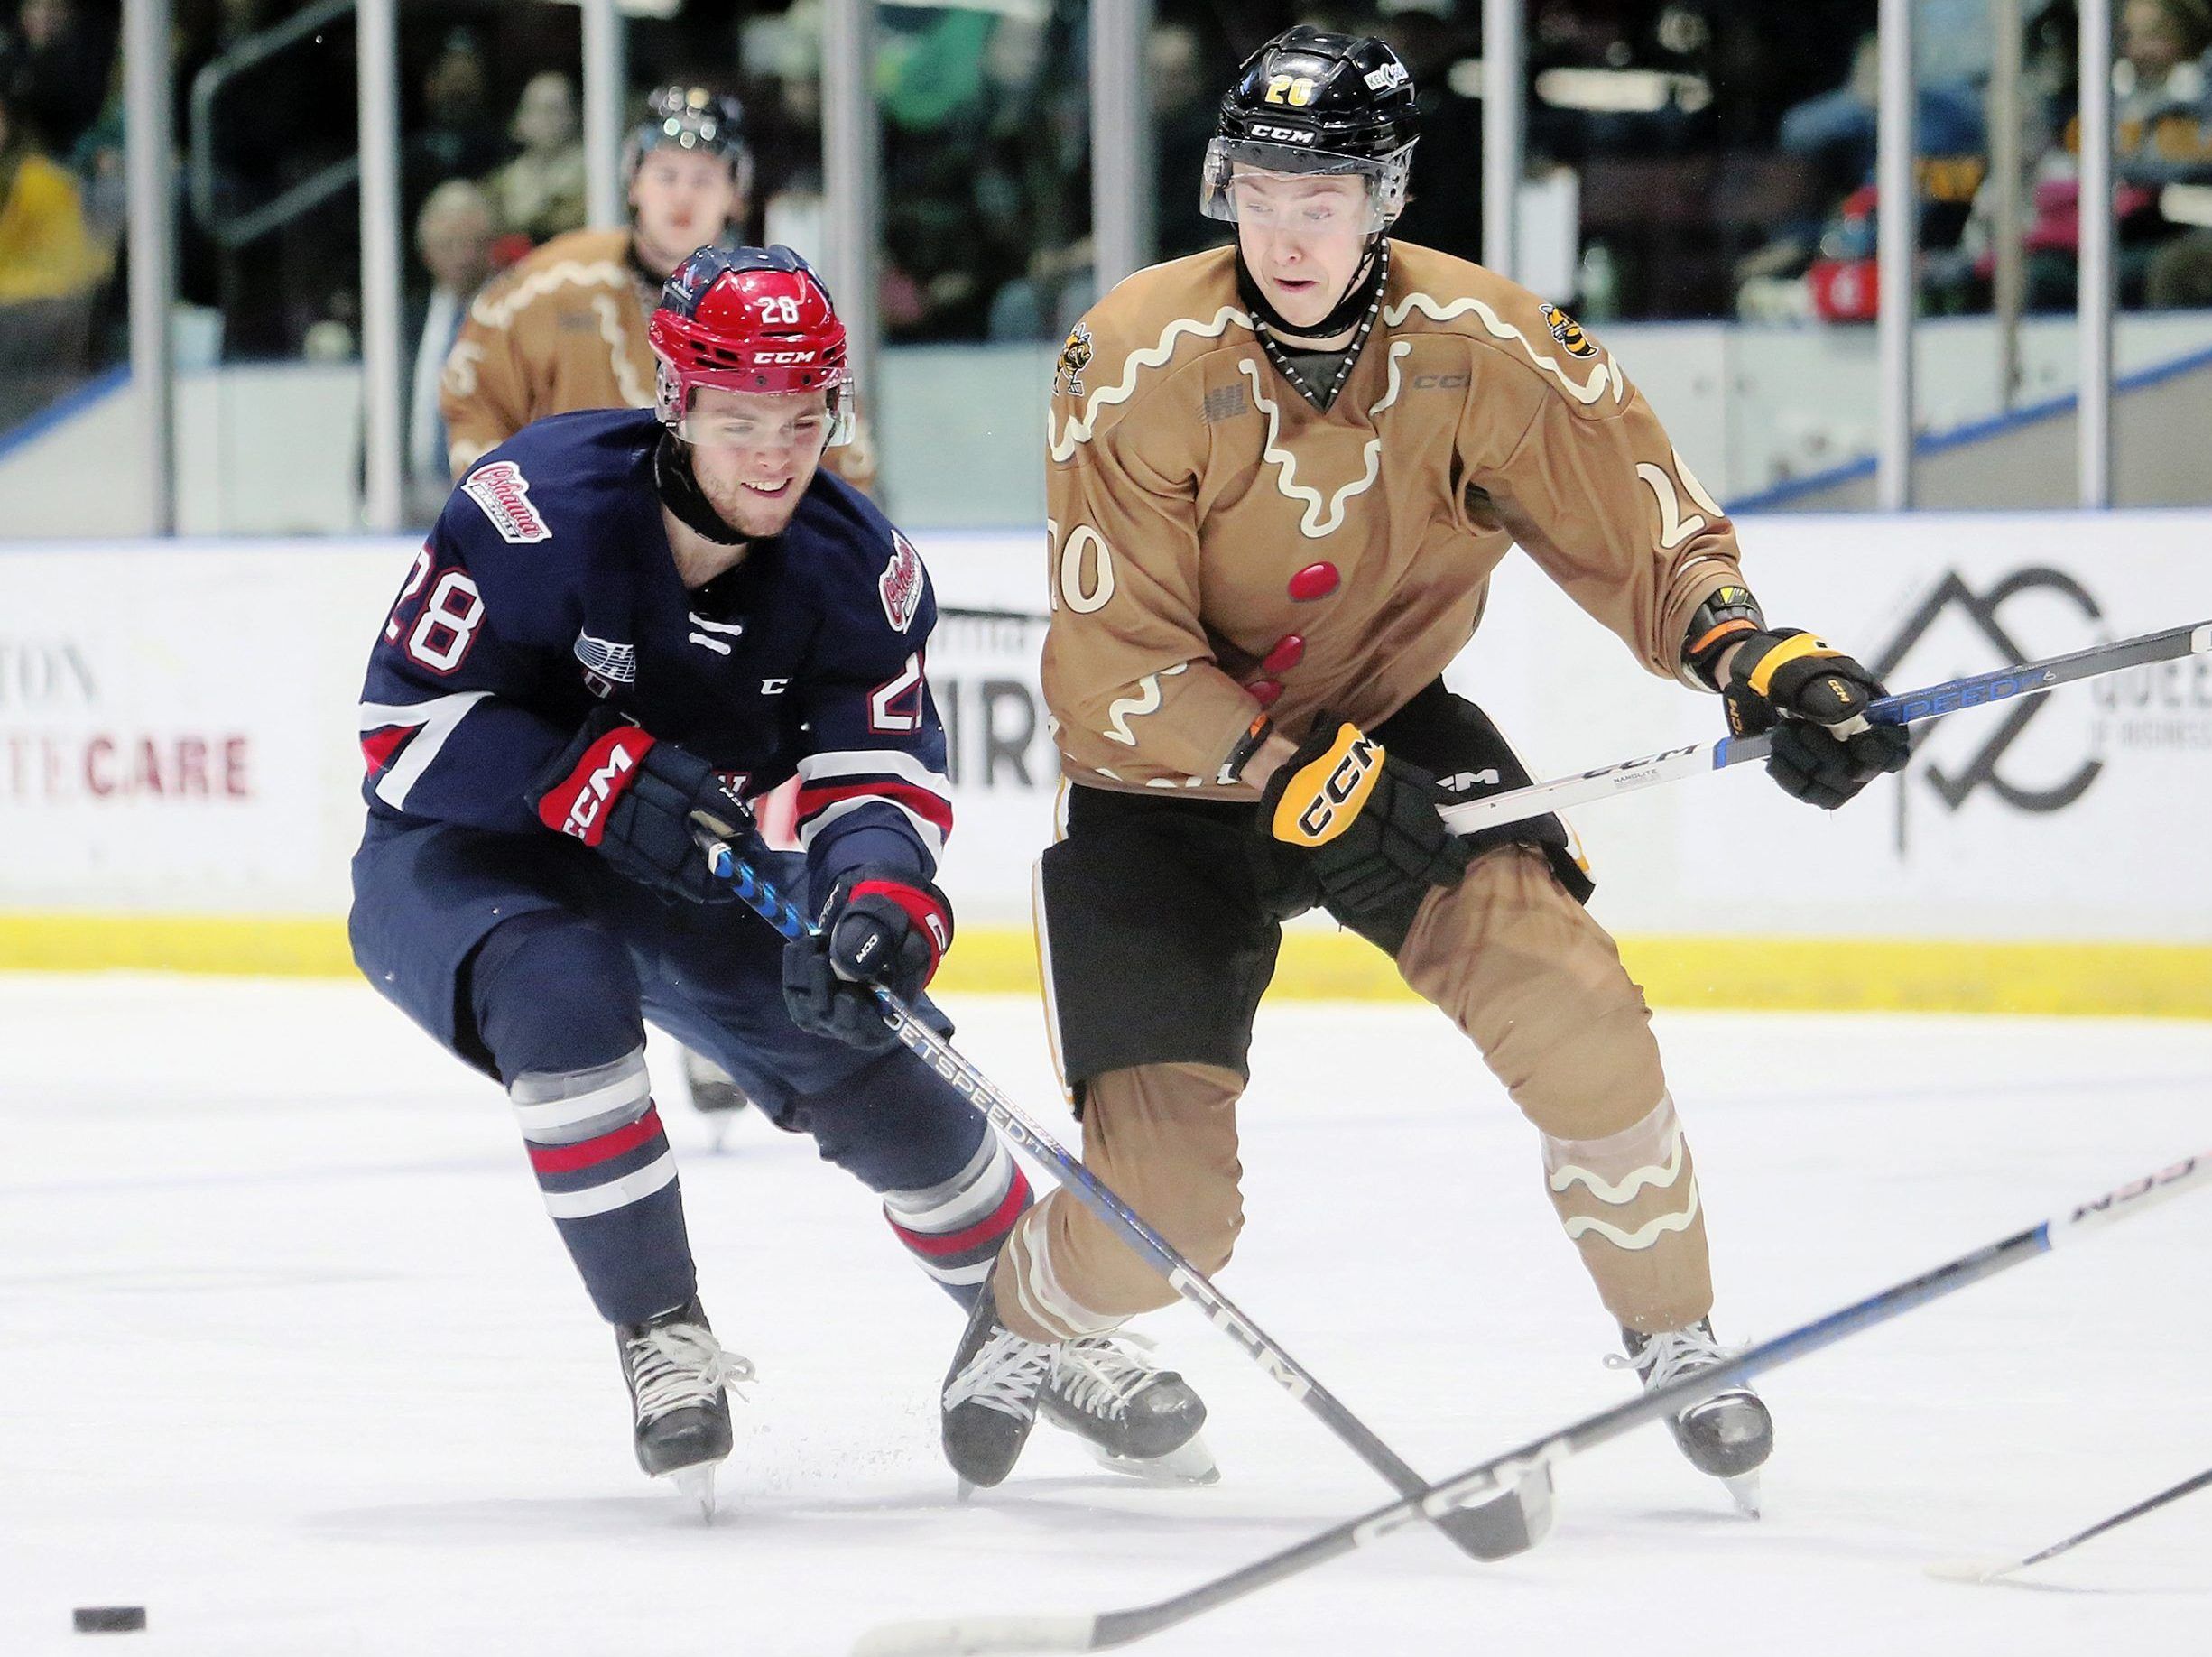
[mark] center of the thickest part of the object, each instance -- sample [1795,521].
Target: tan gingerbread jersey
[1215,540]
[564,329]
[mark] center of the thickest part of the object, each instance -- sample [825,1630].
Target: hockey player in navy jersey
[624,626]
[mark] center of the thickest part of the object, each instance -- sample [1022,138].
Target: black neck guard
[1363,290]
[680,494]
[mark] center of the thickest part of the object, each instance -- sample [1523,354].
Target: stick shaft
[1184,1278]
[1119,1627]
[1978,690]
[2174,1494]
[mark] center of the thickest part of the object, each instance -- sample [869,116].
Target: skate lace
[1669,1355]
[1094,1374]
[1004,1375]
[676,1366]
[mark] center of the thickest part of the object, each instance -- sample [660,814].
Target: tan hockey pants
[1539,987]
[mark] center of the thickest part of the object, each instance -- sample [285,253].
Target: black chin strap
[1359,294]
[680,494]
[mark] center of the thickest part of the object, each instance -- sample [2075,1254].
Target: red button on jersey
[1289,651]
[1315,581]
[1266,691]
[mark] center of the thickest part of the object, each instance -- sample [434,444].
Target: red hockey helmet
[749,319]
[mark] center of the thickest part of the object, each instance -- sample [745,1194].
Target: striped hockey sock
[609,1181]
[954,1229]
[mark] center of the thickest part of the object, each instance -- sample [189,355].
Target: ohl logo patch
[1074,358]
[1568,332]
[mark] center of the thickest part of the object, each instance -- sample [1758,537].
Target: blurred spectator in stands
[458,137]
[54,68]
[2161,157]
[453,238]
[45,250]
[541,192]
[1833,136]
[49,270]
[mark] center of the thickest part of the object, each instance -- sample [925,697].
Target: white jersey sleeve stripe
[438,719]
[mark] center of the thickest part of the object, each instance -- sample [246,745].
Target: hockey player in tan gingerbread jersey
[565,329]
[1281,474]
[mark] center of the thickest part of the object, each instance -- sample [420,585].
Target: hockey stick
[1670,765]
[936,1638]
[1510,1523]
[1989,1570]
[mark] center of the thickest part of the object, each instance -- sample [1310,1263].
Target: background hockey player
[565,329]
[624,625]
[1281,474]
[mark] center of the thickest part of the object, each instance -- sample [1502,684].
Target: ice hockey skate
[1729,1434]
[676,1374]
[714,1094]
[1136,1418]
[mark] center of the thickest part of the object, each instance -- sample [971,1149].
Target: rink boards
[179,775]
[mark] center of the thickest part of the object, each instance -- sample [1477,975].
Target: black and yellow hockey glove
[1367,823]
[1814,700]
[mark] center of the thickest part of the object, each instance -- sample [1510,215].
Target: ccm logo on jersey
[900,582]
[504,493]
[1320,802]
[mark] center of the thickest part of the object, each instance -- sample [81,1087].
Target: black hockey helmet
[1313,102]
[683,117]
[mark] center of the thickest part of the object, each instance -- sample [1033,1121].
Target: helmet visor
[1231,160]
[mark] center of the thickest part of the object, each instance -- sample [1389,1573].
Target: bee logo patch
[1074,358]
[1568,332]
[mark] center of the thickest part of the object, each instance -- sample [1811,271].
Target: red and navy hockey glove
[635,801]
[1814,700]
[879,927]
[1368,821]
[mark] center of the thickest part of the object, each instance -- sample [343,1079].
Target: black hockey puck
[109,1619]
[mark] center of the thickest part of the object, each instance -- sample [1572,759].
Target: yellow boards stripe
[2156,980]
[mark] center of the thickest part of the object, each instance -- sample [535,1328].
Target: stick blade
[1970,1570]
[974,1636]
[1512,1522]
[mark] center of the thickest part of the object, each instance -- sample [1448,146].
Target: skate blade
[963,1492]
[1744,1489]
[697,1484]
[1191,1463]
[976,1635]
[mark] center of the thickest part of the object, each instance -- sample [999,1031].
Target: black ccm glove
[1814,700]
[635,801]
[1368,821]
[880,926]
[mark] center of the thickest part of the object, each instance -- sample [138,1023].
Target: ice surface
[290,1354]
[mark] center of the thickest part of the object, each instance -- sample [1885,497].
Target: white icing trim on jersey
[615,1193]
[1123,708]
[1154,355]
[1606,373]
[870,762]
[1661,1174]
[616,331]
[1397,352]
[1310,524]
[498,309]
[438,719]
[931,836]
[1674,529]
[1643,1235]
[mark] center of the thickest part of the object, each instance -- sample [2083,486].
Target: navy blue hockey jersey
[547,587]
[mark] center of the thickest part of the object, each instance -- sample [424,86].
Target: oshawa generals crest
[900,582]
